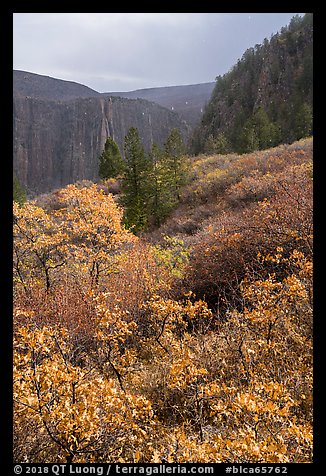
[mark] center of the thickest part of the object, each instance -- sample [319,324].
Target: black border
[6,307]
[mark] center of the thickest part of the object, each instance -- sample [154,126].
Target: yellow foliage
[75,405]
[110,366]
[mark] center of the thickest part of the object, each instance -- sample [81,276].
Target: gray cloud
[125,51]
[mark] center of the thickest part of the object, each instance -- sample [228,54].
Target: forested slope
[266,98]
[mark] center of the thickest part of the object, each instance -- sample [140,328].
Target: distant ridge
[187,100]
[44,87]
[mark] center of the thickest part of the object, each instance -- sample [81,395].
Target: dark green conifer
[111,163]
[135,182]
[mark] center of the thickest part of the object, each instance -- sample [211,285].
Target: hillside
[38,86]
[188,101]
[220,183]
[194,346]
[218,214]
[165,312]
[266,98]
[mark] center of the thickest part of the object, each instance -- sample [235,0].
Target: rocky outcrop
[59,142]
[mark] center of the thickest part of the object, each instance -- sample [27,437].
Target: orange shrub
[222,252]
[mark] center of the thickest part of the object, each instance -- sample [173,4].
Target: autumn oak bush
[218,183]
[223,251]
[269,206]
[71,407]
[213,175]
[194,348]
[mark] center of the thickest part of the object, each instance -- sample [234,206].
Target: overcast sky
[127,51]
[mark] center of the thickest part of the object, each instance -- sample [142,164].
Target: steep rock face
[59,142]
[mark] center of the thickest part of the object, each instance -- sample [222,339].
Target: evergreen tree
[19,193]
[259,132]
[219,145]
[111,163]
[135,187]
[151,184]
[161,197]
[262,127]
[175,162]
[303,121]
[248,139]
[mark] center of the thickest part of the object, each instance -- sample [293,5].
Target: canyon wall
[59,142]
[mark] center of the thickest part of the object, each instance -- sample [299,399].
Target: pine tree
[135,182]
[175,162]
[259,132]
[248,138]
[303,121]
[266,131]
[19,193]
[218,145]
[111,163]
[161,199]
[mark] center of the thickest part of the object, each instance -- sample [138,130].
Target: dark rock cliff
[59,142]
